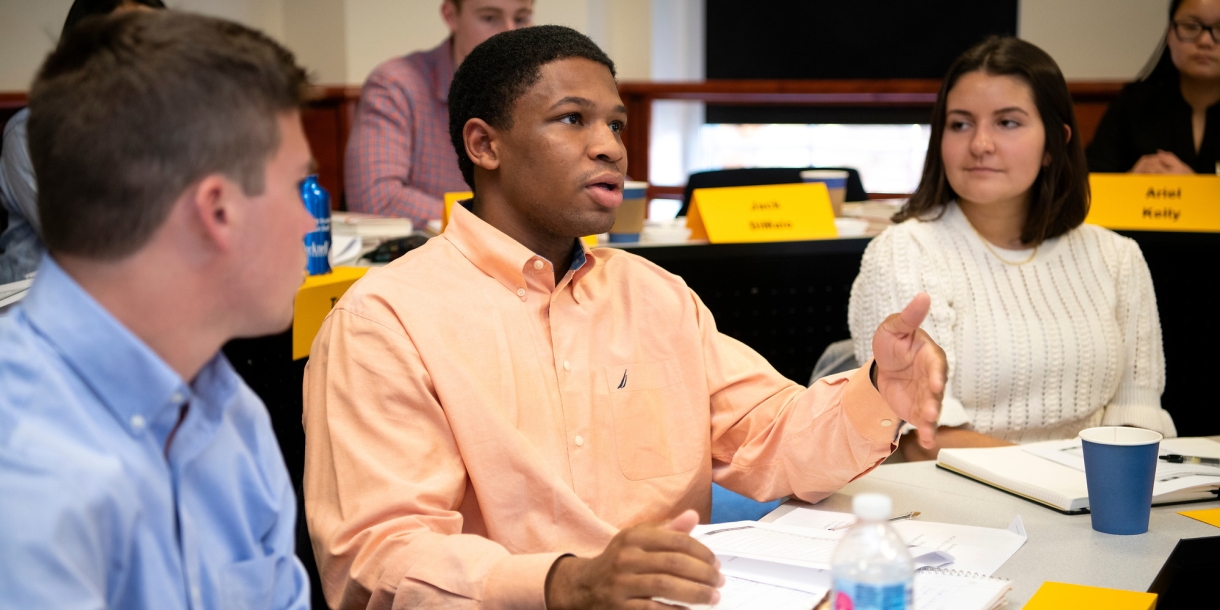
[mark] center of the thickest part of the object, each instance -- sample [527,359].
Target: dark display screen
[847,39]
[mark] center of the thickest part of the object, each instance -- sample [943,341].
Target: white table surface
[1062,548]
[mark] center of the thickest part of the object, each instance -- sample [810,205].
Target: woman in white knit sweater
[1050,326]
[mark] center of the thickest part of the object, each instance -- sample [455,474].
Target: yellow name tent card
[1155,202]
[315,298]
[779,212]
[1058,595]
[451,199]
[1210,516]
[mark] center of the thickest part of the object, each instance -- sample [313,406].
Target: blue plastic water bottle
[317,241]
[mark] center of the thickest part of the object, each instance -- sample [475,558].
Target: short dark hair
[169,98]
[89,8]
[498,72]
[1060,194]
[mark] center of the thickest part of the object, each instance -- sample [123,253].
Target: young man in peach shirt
[493,419]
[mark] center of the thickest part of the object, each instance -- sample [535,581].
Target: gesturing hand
[640,563]
[911,368]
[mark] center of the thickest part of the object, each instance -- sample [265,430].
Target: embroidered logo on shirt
[622,384]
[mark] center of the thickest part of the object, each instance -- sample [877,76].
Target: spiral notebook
[939,589]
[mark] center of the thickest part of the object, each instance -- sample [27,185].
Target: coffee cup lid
[823,173]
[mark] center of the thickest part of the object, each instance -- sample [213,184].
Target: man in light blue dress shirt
[137,470]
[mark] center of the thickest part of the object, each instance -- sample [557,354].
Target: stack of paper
[12,293]
[369,225]
[353,235]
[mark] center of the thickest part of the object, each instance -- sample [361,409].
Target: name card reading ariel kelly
[781,212]
[1153,202]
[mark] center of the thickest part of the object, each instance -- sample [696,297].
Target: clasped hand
[911,368]
[1161,162]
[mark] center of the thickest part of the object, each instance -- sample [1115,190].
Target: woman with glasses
[1169,121]
[1049,325]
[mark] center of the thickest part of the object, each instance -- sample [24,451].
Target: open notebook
[786,567]
[935,589]
[1052,472]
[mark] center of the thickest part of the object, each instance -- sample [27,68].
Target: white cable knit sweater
[1038,351]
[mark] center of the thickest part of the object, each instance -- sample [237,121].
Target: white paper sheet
[344,249]
[792,545]
[741,594]
[972,549]
[749,539]
[1169,477]
[809,580]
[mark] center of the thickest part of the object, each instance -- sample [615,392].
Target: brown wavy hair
[1059,198]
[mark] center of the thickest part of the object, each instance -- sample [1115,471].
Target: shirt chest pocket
[657,432]
[249,585]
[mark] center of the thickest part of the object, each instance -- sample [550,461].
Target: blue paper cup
[1119,468]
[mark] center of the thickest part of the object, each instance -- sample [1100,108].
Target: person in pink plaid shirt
[400,161]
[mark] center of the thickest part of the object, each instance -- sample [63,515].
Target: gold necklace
[990,249]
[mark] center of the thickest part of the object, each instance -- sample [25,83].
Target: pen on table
[910,515]
[1190,459]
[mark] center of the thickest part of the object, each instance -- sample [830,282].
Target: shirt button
[885,423]
[537,264]
[137,422]
[580,441]
[176,397]
[520,292]
[566,366]
[197,596]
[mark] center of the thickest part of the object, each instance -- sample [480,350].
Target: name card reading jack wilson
[1154,202]
[779,212]
[315,298]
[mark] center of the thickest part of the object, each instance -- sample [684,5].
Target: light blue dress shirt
[21,242]
[93,511]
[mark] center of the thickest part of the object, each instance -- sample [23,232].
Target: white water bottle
[871,566]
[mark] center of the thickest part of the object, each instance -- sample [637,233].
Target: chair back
[759,176]
[1183,302]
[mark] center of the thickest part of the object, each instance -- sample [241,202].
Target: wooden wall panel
[327,120]
[328,117]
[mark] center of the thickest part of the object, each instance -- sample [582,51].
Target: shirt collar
[124,373]
[441,59]
[499,255]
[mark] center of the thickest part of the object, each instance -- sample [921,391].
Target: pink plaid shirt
[400,161]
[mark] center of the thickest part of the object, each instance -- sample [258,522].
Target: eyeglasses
[1190,31]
